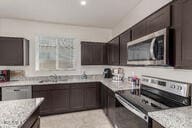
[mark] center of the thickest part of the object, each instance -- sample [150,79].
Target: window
[55,53]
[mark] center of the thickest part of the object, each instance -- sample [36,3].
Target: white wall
[166,73]
[141,11]
[144,9]
[29,30]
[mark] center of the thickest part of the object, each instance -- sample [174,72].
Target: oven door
[128,116]
[148,50]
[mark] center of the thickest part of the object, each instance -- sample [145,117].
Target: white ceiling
[97,13]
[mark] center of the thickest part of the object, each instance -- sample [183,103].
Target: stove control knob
[145,101]
[179,88]
[173,86]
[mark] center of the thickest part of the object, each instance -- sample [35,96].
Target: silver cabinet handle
[152,49]
[131,108]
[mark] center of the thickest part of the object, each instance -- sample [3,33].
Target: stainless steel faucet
[53,78]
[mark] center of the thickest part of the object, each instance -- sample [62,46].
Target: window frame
[37,52]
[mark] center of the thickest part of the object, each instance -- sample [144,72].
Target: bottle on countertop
[134,80]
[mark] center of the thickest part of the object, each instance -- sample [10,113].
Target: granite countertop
[114,86]
[174,118]
[14,113]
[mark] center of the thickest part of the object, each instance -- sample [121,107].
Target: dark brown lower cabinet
[60,99]
[33,121]
[77,97]
[92,96]
[111,108]
[46,105]
[108,101]
[156,125]
[67,98]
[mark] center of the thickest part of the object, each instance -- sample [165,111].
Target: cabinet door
[111,108]
[159,20]
[113,52]
[93,53]
[182,23]
[11,51]
[77,97]
[92,96]
[104,99]
[46,106]
[139,30]
[124,39]
[60,100]
[86,53]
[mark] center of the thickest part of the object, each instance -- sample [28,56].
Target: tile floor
[85,119]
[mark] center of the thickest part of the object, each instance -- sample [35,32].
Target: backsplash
[17,74]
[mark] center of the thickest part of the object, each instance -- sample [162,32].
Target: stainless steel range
[155,94]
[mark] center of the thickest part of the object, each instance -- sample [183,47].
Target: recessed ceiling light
[83,2]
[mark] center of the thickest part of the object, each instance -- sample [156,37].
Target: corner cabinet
[124,39]
[108,102]
[14,51]
[182,25]
[93,53]
[113,51]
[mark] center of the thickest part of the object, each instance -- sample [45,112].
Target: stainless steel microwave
[152,49]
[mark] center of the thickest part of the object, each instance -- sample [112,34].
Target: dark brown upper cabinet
[182,25]
[139,30]
[14,51]
[93,53]
[124,39]
[113,51]
[159,20]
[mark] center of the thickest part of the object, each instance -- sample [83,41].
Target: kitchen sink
[49,81]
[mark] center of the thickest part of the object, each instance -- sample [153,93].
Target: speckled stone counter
[114,86]
[174,118]
[13,114]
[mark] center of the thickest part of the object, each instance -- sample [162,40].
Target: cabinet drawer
[42,87]
[60,86]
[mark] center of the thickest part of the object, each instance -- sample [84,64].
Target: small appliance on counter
[107,73]
[4,75]
[118,74]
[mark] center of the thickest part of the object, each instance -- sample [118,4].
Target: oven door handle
[131,108]
[152,49]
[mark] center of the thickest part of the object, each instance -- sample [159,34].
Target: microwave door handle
[152,49]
